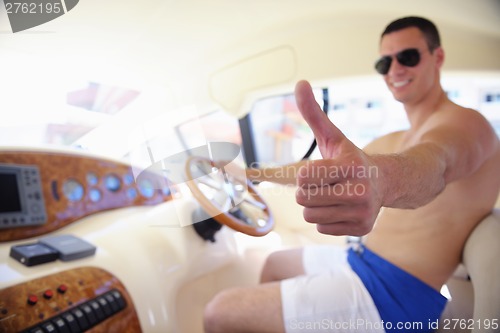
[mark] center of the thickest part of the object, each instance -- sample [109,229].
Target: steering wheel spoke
[210,182]
[255,203]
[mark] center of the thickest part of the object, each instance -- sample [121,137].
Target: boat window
[489,104]
[277,134]
[364,109]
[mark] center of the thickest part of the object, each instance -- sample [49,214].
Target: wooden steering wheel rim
[227,218]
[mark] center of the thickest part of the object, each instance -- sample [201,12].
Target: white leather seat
[475,290]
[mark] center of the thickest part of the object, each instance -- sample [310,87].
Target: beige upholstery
[477,301]
[482,260]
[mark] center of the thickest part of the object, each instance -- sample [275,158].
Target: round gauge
[131,193]
[92,179]
[128,179]
[95,195]
[146,188]
[112,183]
[73,190]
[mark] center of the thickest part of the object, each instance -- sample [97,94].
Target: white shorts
[330,297]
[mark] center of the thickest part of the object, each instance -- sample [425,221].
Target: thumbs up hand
[341,193]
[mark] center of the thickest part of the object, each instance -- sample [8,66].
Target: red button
[48,294]
[62,288]
[32,299]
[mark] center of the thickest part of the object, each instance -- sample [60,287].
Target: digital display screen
[10,200]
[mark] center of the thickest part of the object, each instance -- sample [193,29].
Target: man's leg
[253,309]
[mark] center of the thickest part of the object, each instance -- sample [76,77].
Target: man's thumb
[324,130]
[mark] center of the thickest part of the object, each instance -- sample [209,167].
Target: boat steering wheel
[230,199]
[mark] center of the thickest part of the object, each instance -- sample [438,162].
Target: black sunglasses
[408,58]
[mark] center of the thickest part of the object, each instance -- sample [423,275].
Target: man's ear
[439,56]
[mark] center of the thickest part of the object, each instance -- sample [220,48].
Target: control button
[81,318]
[89,313]
[37,195]
[35,208]
[32,299]
[71,322]
[60,325]
[106,307]
[112,302]
[48,327]
[48,294]
[99,312]
[62,288]
[119,299]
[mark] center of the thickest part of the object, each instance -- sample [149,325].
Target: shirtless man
[431,186]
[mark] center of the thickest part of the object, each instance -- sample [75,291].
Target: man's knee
[271,264]
[282,265]
[245,309]
[217,315]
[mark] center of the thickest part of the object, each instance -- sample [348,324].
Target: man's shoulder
[461,120]
[454,113]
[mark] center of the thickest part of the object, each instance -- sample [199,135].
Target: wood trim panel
[56,168]
[82,284]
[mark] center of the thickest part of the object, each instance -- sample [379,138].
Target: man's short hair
[428,29]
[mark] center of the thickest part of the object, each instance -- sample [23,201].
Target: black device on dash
[33,254]
[69,247]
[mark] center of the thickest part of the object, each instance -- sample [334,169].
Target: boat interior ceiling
[221,51]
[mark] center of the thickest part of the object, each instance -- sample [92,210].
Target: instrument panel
[44,191]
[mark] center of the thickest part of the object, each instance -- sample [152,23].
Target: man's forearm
[413,178]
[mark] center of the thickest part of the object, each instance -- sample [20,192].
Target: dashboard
[44,191]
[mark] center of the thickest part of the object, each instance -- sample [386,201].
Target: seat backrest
[482,260]
[475,286]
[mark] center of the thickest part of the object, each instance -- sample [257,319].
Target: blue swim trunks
[405,303]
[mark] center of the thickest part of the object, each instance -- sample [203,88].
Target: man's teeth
[400,83]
